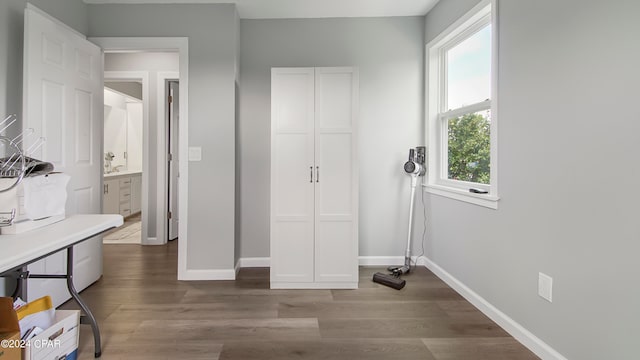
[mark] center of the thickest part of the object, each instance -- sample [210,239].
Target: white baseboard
[217,274]
[253,262]
[380,260]
[388,260]
[419,260]
[153,241]
[532,342]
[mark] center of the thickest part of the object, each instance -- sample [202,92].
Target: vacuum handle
[411,154]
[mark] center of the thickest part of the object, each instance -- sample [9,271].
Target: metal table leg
[20,277]
[88,317]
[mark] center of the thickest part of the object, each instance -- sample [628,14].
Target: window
[461,109]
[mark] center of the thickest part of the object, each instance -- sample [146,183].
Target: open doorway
[146,75]
[123,149]
[179,45]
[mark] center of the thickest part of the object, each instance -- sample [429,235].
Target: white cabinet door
[111,197]
[62,101]
[292,202]
[336,205]
[136,193]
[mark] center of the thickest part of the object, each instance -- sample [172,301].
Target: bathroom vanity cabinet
[122,193]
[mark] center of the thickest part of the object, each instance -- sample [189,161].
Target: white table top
[16,250]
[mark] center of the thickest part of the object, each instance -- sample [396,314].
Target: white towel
[9,198]
[45,195]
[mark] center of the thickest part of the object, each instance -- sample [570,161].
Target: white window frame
[437,181]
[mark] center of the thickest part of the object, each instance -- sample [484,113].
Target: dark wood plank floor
[145,313]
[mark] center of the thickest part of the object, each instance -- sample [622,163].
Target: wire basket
[14,164]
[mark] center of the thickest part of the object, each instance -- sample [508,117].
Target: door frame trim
[167,44]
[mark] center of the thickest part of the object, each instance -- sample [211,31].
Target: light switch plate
[545,286]
[195,153]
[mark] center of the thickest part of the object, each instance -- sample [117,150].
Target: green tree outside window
[469,148]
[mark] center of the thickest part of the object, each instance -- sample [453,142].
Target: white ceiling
[292,9]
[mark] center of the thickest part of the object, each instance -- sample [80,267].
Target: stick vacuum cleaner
[415,168]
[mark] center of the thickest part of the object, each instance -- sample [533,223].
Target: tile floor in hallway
[129,233]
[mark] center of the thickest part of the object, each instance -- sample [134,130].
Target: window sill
[485,200]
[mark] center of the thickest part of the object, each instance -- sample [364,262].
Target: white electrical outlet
[545,286]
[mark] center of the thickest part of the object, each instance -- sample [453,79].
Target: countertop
[122,173]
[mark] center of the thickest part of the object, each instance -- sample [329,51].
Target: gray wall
[389,54]
[212,56]
[568,135]
[72,12]
[151,63]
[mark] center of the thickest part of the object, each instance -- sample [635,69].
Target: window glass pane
[469,147]
[469,70]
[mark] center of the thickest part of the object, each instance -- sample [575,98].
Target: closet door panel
[292,194]
[335,185]
[293,179]
[334,98]
[336,194]
[290,259]
[336,255]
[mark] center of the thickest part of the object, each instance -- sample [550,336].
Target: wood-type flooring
[145,313]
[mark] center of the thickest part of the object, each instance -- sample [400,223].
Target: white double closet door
[314,178]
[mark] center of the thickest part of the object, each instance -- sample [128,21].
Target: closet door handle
[310,174]
[317,173]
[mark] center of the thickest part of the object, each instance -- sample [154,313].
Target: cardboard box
[9,331]
[60,341]
[13,352]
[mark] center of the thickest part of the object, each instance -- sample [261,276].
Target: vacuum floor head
[389,280]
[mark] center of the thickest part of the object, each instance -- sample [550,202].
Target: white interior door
[336,191]
[63,101]
[174,161]
[292,108]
